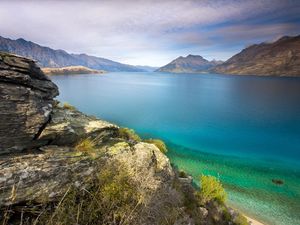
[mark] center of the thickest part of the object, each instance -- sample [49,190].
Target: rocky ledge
[60,166]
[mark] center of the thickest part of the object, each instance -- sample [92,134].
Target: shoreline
[253,221]
[250,219]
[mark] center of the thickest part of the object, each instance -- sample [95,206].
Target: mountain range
[47,57]
[189,64]
[280,58]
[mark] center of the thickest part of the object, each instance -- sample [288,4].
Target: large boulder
[26,99]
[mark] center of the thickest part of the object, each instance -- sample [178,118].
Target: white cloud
[133,31]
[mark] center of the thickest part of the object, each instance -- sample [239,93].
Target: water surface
[243,129]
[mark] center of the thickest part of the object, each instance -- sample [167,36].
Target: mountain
[280,58]
[189,64]
[47,57]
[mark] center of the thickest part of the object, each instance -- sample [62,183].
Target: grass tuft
[129,134]
[68,106]
[159,144]
[85,145]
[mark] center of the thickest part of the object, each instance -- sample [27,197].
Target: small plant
[182,174]
[85,145]
[129,134]
[240,220]
[68,106]
[211,189]
[159,144]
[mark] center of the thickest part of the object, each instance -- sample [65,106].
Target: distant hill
[189,64]
[280,58]
[47,57]
[147,68]
[70,70]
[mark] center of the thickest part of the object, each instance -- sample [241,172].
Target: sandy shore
[253,221]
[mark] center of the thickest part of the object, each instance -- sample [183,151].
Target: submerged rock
[277,181]
[26,100]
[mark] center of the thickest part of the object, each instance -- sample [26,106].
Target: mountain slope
[280,58]
[188,64]
[47,57]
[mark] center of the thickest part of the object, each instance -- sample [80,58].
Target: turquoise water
[243,129]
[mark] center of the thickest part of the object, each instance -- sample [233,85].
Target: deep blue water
[244,129]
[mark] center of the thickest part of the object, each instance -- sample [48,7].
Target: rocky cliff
[280,58]
[189,64]
[60,166]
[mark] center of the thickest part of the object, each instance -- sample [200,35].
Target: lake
[243,129]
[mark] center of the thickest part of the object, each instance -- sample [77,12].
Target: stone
[26,101]
[203,212]
[68,126]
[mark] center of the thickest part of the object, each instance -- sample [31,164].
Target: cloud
[156,30]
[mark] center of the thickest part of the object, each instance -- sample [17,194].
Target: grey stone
[26,99]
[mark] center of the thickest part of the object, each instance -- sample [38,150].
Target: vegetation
[182,174]
[68,106]
[85,145]
[211,189]
[240,220]
[159,144]
[110,199]
[129,134]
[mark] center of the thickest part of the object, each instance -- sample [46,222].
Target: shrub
[182,174]
[68,106]
[240,220]
[159,144]
[129,134]
[211,189]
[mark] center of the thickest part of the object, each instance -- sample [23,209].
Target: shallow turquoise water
[246,130]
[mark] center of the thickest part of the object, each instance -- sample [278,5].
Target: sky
[141,32]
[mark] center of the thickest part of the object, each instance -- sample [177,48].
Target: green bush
[211,189]
[129,134]
[159,144]
[182,174]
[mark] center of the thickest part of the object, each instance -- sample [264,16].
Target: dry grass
[68,106]
[128,134]
[159,144]
[86,145]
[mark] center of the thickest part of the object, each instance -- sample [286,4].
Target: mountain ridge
[189,64]
[48,57]
[278,58]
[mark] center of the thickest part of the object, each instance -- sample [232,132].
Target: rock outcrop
[26,101]
[280,58]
